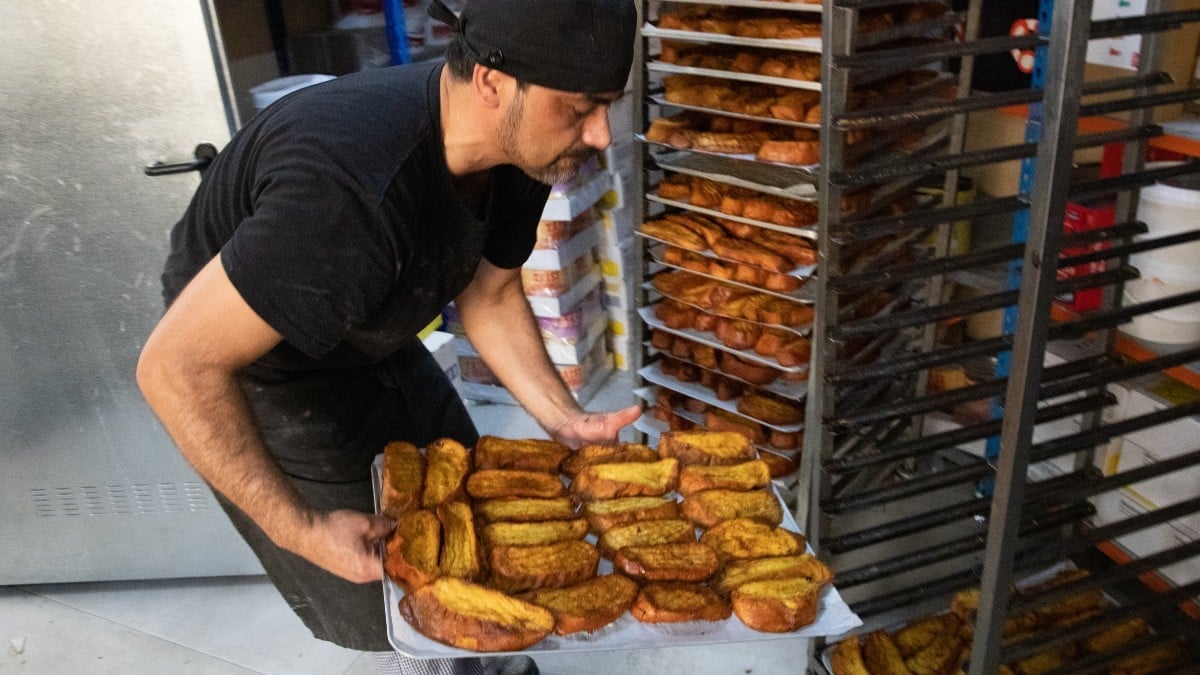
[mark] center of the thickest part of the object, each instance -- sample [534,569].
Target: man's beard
[564,167]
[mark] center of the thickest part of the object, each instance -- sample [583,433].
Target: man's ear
[490,85]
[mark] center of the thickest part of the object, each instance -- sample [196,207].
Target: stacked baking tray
[906,518]
[732,92]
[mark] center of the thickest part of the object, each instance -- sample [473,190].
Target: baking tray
[808,232]
[647,314]
[659,99]
[801,272]
[792,183]
[810,45]
[801,329]
[809,169]
[834,617]
[758,4]
[805,293]
[661,67]
[654,375]
[790,390]
[647,394]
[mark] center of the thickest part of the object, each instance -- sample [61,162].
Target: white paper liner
[759,4]
[811,45]
[794,391]
[660,67]
[809,231]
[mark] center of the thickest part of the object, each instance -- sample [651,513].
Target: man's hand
[594,427]
[344,543]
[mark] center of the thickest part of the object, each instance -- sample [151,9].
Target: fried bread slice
[940,656]
[471,616]
[607,454]
[402,480]
[529,534]
[502,483]
[411,551]
[460,556]
[738,572]
[449,463]
[676,601]
[605,514]
[690,561]
[745,476]
[586,606]
[920,634]
[709,507]
[777,605]
[706,447]
[881,655]
[524,568]
[525,510]
[646,533]
[742,538]
[627,479]
[847,658]
[530,454]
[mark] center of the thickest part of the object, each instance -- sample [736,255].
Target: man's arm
[188,374]
[500,324]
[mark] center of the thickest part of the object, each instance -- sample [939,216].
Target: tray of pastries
[709,267]
[682,359]
[762,355]
[525,545]
[743,139]
[782,5]
[734,207]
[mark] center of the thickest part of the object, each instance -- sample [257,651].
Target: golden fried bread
[460,556]
[605,514]
[738,572]
[742,538]
[881,655]
[940,656]
[402,480]
[676,601]
[920,634]
[586,606]
[965,605]
[449,463]
[522,568]
[528,534]
[528,454]
[470,616]
[709,507]
[706,447]
[411,552]
[745,476]
[1154,660]
[607,454]
[847,658]
[1115,636]
[691,561]
[627,479]
[646,533]
[1049,660]
[770,409]
[525,510]
[502,483]
[777,605]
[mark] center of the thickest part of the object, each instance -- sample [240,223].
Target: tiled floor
[241,625]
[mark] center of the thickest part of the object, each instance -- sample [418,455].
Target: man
[333,227]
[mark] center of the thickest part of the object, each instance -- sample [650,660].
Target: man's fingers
[380,527]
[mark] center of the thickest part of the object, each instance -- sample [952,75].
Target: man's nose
[595,129]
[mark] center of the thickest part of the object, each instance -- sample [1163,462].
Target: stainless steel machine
[91,487]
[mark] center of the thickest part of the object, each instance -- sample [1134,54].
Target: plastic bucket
[268,92]
[1178,325]
[1170,207]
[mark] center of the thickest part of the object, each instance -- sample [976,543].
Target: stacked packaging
[562,281]
[618,249]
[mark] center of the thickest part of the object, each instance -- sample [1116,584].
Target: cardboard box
[564,254]
[583,379]
[551,234]
[1158,443]
[442,346]
[1081,217]
[556,282]
[577,197]
[554,306]
[1112,507]
[619,347]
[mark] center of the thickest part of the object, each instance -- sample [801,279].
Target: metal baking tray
[654,375]
[801,272]
[792,390]
[805,293]
[810,45]
[661,67]
[808,232]
[834,617]
[802,329]
[759,4]
[647,314]
[809,169]
[792,183]
[659,99]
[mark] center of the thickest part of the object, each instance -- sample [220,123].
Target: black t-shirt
[337,220]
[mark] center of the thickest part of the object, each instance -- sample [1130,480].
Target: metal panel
[91,486]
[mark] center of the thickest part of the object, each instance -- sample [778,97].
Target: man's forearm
[207,416]
[504,332]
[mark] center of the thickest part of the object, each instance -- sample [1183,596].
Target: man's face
[550,134]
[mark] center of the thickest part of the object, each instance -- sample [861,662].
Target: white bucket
[1171,207]
[268,92]
[1178,325]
